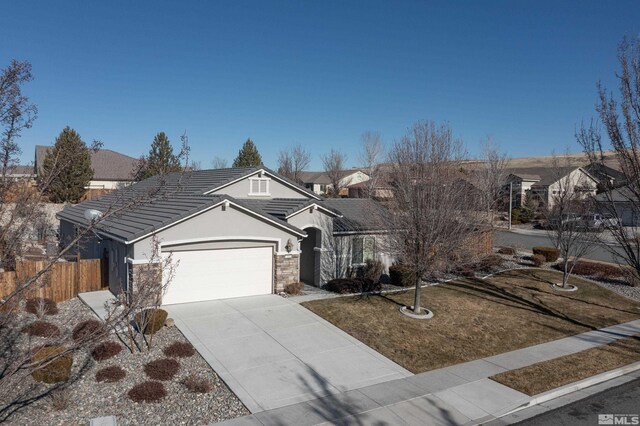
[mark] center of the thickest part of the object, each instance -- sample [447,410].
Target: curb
[576,386]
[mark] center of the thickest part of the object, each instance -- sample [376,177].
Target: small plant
[489,262]
[106,350]
[59,400]
[147,392]
[162,369]
[41,329]
[56,368]
[507,250]
[88,329]
[40,307]
[538,259]
[373,270]
[352,285]
[179,350]
[294,289]
[197,384]
[401,276]
[150,321]
[592,269]
[110,374]
[550,254]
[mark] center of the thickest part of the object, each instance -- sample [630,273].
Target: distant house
[26,173]
[111,170]
[607,176]
[622,204]
[541,183]
[319,182]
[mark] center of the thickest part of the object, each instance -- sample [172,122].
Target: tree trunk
[565,274]
[416,299]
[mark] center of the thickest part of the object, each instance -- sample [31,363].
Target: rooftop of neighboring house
[542,176]
[20,171]
[322,178]
[107,165]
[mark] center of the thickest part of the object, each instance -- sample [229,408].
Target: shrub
[147,392]
[88,329]
[294,289]
[41,329]
[515,216]
[197,384]
[352,285]
[110,374]
[596,269]
[401,276]
[490,262]
[151,320]
[538,259]
[40,307]
[179,349]
[54,371]
[59,400]
[106,350]
[373,270]
[507,250]
[162,369]
[550,254]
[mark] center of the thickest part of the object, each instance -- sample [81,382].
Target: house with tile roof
[320,184]
[234,232]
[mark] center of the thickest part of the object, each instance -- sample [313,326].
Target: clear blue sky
[316,73]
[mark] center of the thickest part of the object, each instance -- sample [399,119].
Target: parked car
[564,219]
[599,222]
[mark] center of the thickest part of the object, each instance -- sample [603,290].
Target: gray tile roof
[283,207]
[106,164]
[358,214]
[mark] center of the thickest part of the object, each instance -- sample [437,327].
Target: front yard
[476,318]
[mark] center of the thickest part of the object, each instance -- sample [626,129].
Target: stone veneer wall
[287,270]
[145,277]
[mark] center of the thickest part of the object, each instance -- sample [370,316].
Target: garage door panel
[220,274]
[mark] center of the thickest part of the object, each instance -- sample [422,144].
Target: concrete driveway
[273,352]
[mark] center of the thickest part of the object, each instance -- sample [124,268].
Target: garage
[220,274]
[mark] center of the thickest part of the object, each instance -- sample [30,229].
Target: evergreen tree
[161,159]
[248,156]
[66,170]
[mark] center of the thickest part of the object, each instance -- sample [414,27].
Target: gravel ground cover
[83,398]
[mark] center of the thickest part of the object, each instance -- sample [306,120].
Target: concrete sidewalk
[456,395]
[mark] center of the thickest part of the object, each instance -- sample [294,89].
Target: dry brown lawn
[475,318]
[544,376]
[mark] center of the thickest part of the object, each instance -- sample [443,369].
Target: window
[364,248]
[259,186]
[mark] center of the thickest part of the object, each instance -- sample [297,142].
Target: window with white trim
[363,249]
[259,186]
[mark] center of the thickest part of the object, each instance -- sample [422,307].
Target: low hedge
[551,254]
[538,259]
[41,329]
[401,276]
[507,250]
[352,285]
[54,371]
[590,269]
[150,321]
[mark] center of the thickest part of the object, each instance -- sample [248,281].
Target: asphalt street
[506,238]
[623,402]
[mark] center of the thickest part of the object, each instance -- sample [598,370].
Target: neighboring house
[541,183]
[622,204]
[25,173]
[111,170]
[381,191]
[235,232]
[607,176]
[319,183]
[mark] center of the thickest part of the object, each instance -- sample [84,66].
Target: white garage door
[220,274]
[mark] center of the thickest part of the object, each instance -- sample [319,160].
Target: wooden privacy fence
[62,282]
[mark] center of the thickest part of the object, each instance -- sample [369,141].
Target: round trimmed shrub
[54,371]
[106,350]
[507,250]
[41,329]
[551,254]
[151,320]
[162,369]
[197,384]
[179,350]
[401,276]
[110,374]
[538,259]
[39,305]
[88,329]
[147,392]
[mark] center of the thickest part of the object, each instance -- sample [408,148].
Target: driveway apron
[272,352]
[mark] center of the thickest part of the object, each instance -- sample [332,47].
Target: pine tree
[161,159]
[248,156]
[66,170]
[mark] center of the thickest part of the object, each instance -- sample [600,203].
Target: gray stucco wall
[217,223]
[240,189]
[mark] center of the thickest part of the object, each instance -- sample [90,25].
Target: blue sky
[315,73]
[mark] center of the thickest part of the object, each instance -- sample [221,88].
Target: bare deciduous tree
[491,176]
[219,163]
[565,213]
[620,118]
[293,161]
[334,166]
[433,212]
[16,112]
[371,158]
